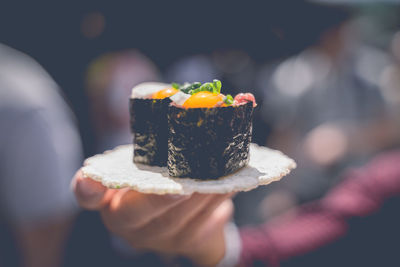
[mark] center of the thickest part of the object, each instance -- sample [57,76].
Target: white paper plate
[115,169]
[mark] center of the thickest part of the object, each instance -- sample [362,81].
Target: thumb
[89,193]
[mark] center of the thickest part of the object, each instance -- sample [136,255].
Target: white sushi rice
[179,98]
[115,169]
[144,90]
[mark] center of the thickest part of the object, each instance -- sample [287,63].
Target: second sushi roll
[148,107]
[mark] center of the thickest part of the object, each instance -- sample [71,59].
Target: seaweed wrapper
[207,143]
[149,126]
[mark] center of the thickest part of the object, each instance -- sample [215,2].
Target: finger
[187,217]
[221,215]
[129,209]
[89,193]
[208,220]
[206,242]
[173,219]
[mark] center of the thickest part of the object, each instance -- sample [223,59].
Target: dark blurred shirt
[355,224]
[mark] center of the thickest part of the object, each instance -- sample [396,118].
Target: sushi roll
[209,133]
[148,107]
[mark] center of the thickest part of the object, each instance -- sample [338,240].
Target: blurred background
[325,74]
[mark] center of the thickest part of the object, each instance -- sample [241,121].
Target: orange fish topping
[166,92]
[203,99]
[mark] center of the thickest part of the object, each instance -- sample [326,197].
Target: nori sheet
[207,143]
[149,126]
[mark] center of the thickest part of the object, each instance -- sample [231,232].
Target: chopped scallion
[228,99]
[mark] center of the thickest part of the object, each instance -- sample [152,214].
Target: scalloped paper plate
[115,169]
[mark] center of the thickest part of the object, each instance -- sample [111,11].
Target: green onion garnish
[228,99]
[192,88]
[217,85]
[188,87]
[176,85]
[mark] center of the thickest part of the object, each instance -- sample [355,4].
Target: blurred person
[325,108]
[110,79]
[40,150]
[321,86]
[354,224]
[389,81]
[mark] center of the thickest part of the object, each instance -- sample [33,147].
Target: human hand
[191,226]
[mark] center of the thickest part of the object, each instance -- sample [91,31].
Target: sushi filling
[208,95]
